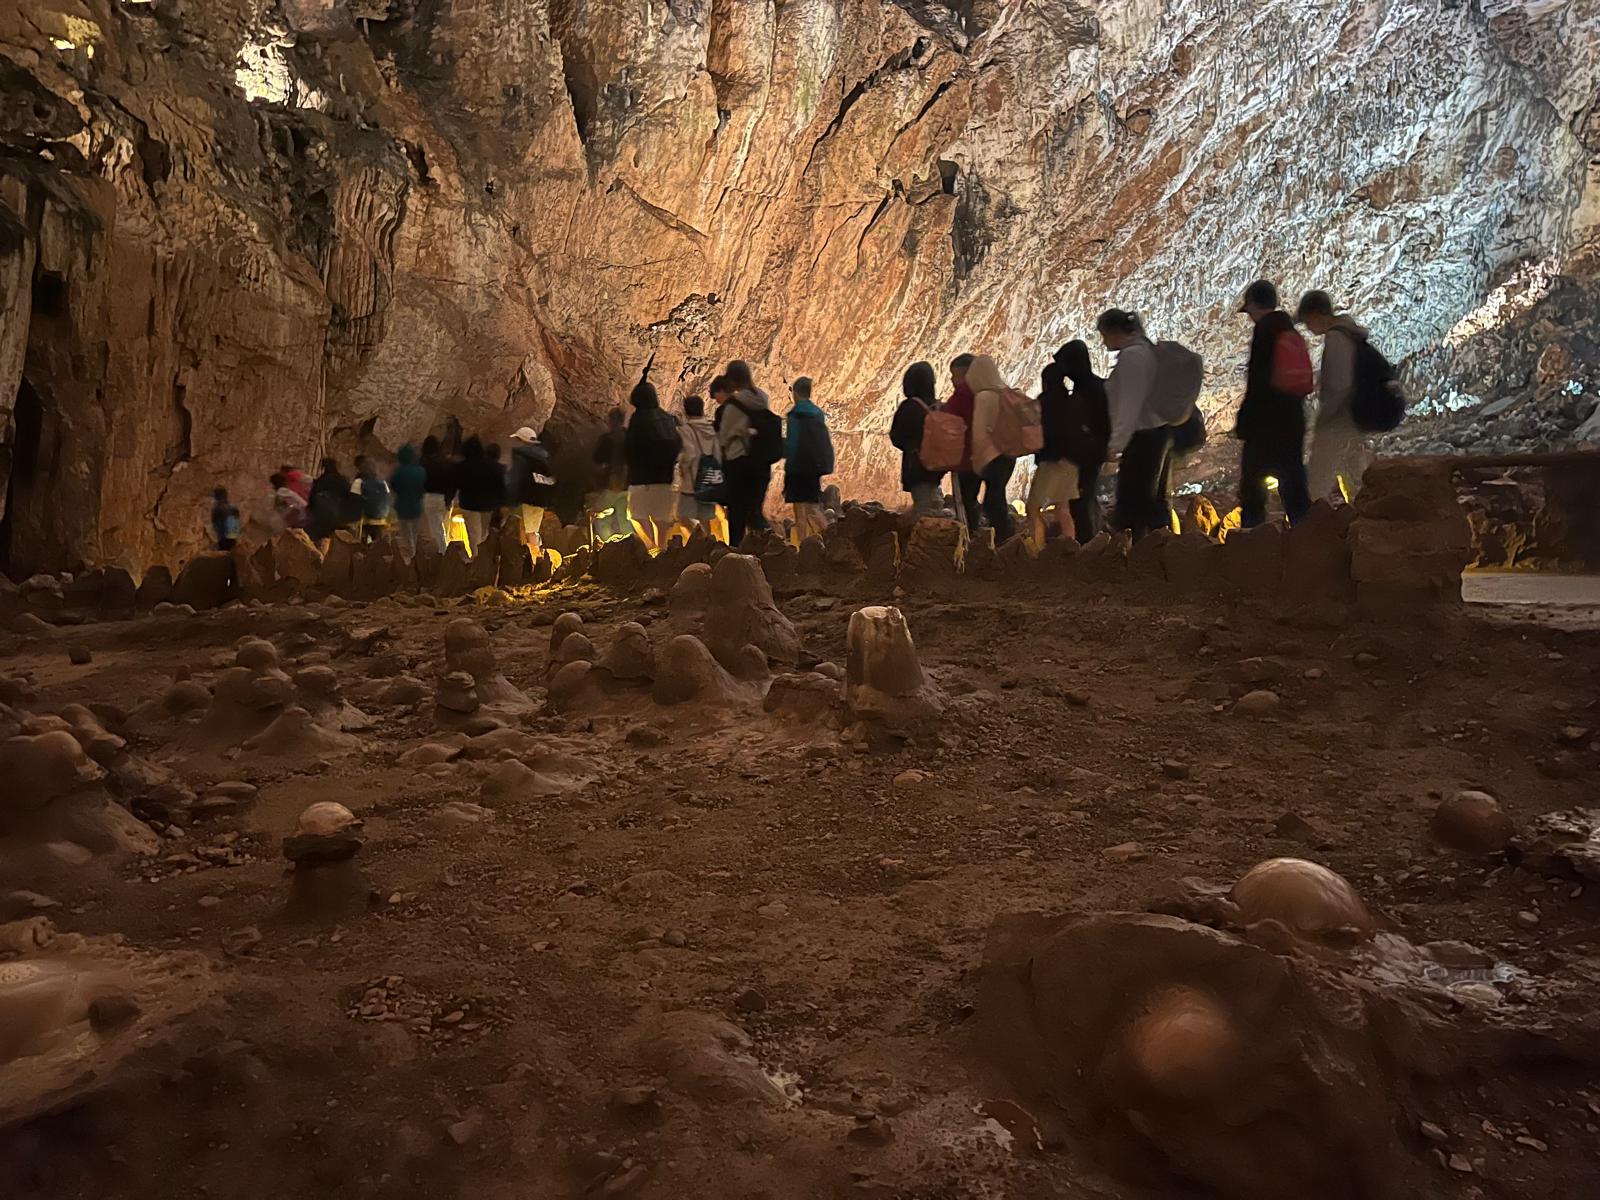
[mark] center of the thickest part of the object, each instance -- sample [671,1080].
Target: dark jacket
[905,433]
[328,507]
[441,472]
[651,444]
[482,481]
[408,482]
[1264,409]
[1088,408]
[611,457]
[529,460]
[961,402]
[376,500]
[1063,428]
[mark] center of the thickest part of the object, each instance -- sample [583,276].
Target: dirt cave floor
[506,1018]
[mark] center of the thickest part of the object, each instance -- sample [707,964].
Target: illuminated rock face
[258,238]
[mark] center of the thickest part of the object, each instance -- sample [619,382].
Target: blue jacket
[807,445]
[409,482]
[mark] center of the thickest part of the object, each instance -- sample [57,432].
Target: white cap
[525,434]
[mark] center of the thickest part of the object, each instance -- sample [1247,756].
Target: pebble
[210,901]
[1126,852]
[79,655]
[1527,919]
[1433,1132]
[1365,658]
[1173,769]
[1077,698]
[750,1001]
[1257,703]
[1458,1162]
[910,778]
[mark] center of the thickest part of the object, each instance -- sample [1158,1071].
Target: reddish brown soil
[767,874]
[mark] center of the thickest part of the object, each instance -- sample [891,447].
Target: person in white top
[1339,451]
[1138,434]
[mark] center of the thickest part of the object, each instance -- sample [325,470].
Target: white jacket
[699,438]
[1338,374]
[1129,387]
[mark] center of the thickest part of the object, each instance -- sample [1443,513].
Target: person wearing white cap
[530,482]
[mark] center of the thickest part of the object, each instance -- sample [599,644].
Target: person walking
[529,483]
[1091,416]
[296,481]
[224,519]
[652,444]
[699,464]
[1272,416]
[438,493]
[408,484]
[807,458]
[481,492]
[918,386]
[1055,474]
[377,502]
[751,438]
[990,466]
[967,482]
[329,506]
[1339,451]
[1138,434]
[609,500]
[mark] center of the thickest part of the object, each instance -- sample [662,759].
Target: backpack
[766,434]
[662,440]
[1191,435]
[1291,366]
[1018,427]
[813,449]
[1180,374]
[709,481]
[1377,404]
[944,440]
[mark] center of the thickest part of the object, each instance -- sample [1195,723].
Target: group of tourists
[655,471]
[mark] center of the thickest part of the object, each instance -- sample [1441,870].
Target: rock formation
[884,683]
[273,229]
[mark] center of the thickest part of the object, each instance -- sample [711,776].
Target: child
[224,519]
[375,500]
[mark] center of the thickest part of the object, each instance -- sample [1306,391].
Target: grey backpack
[1180,374]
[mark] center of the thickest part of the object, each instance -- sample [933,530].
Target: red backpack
[1291,366]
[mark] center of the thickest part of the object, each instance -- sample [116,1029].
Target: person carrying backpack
[529,483]
[482,484]
[1272,416]
[224,519]
[1339,451]
[906,431]
[1139,433]
[699,464]
[1055,474]
[807,457]
[1091,418]
[651,446]
[330,494]
[751,438]
[1000,435]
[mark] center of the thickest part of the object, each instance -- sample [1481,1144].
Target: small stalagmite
[1303,896]
[884,682]
[742,613]
[630,657]
[1473,822]
[687,671]
[467,648]
[327,884]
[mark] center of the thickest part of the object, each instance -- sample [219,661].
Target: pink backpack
[944,440]
[1018,427]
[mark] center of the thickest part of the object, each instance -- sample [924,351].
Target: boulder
[564,626]
[206,581]
[622,562]
[742,613]
[1473,822]
[630,657]
[686,670]
[1302,896]
[453,577]
[803,696]
[884,683]
[154,588]
[42,767]
[1410,538]
[935,553]
[457,693]
[296,558]
[780,564]
[337,573]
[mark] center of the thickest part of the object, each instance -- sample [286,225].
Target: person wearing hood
[1055,473]
[807,457]
[482,485]
[1091,417]
[989,466]
[918,385]
[651,447]
[297,481]
[967,483]
[1138,433]
[1272,416]
[747,471]
[529,483]
[329,507]
[1339,452]
[609,501]
[409,484]
[699,463]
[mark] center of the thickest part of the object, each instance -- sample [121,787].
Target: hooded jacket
[905,431]
[441,472]
[983,377]
[1129,388]
[482,480]
[1337,377]
[1264,407]
[794,438]
[529,460]
[699,439]
[330,493]
[1090,408]
[734,433]
[652,454]
[408,483]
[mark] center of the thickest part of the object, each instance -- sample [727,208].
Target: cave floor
[761,871]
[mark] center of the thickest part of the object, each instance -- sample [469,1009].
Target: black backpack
[766,434]
[1191,435]
[813,451]
[1377,404]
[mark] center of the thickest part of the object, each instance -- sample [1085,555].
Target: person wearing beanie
[651,447]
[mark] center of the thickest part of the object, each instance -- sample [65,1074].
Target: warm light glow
[458,531]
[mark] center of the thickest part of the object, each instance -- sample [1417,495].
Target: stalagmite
[884,682]
[742,613]
[1303,896]
[1474,822]
[686,670]
[327,884]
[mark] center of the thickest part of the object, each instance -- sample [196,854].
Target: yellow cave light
[458,531]
[1177,525]
[1272,483]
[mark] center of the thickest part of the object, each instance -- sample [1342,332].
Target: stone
[1410,538]
[691,594]
[802,696]
[206,581]
[154,588]
[1473,822]
[43,767]
[884,683]
[457,693]
[686,670]
[1252,561]
[257,654]
[184,697]
[79,656]
[571,688]
[294,733]
[630,657]
[1317,555]
[296,558]
[1561,845]
[574,648]
[1258,703]
[564,626]
[324,832]
[741,613]
[1302,896]
[935,553]
[705,1057]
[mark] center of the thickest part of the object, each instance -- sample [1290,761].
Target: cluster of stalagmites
[1404,542]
